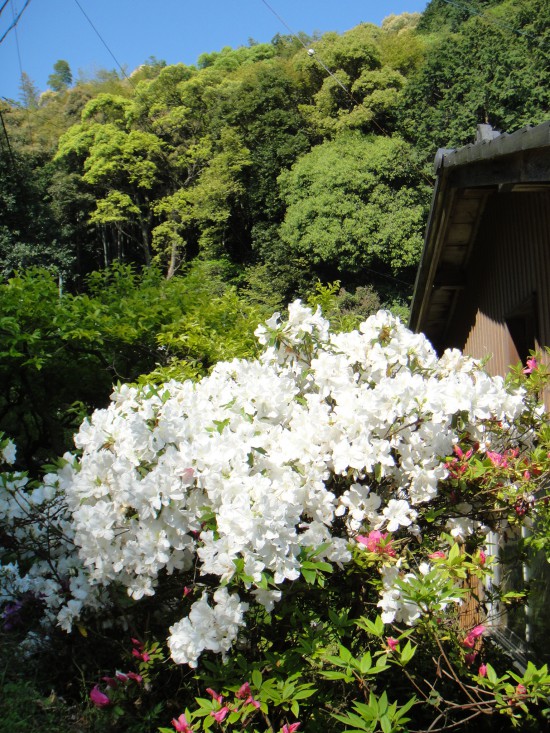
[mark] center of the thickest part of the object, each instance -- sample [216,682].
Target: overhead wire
[10,151]
[312,53]
[15,21]
[104,42]
[13,12]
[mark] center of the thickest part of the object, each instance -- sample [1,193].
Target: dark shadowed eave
[465,179]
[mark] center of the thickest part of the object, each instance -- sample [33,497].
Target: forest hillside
[298,160]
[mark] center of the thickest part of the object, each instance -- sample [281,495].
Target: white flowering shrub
[234,478]
[41,567]
[336,474]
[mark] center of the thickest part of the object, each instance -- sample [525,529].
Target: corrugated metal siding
[511,262]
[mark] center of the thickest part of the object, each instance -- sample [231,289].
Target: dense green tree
[443,15]
[122,165]
[354,203]
[62,76]
[28,236]
[30,95]
[493,70]
[230,59]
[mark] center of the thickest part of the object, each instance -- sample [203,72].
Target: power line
[4,6]
[98,34]
[10,151]
[16,20]
[317,59]
[312,53]
[17,40]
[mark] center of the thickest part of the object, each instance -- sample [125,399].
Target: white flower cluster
[207,628]
[38,530]
[248,468]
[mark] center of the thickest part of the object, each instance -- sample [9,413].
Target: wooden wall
[508,279]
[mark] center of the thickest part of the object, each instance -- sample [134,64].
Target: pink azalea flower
[216,695]
[137,642]
[521,690]
[482,671]
[375,541]
[141,655]
[243,691]
[531,366]
[110,682]
[437,555]
[136,677]
[392,643]
[460,453]
[290,727]
[99,699]
[470,658]
[121,677]
[250,701]
[181,725]
[472,635]
[497,459]
[482,557]
[186,591]
[220,714]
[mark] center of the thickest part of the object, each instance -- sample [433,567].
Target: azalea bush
[300,530]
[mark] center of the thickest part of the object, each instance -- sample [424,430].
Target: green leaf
[257,678]
[333,675]
[407,653]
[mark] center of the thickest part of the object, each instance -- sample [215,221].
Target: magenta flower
[482,671]
[472,635]
[482,557]
[112,682]
[531,366]
[470,658]
[134,676]
[290,727]
[521,690]
[181,725]
[98,698]
[216,695]
[439,555]
[250,701]
[220,714]
[376,541]
[243,691]
[497,459]
[392,643]
[141,655]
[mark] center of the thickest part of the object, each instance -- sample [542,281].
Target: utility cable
[10,151]
[16,20]
[312,53]
[4,6]
[13,12]
[98,34]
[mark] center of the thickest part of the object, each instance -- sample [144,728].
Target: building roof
[465,179]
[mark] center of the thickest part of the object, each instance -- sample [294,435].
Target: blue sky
[173,30]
